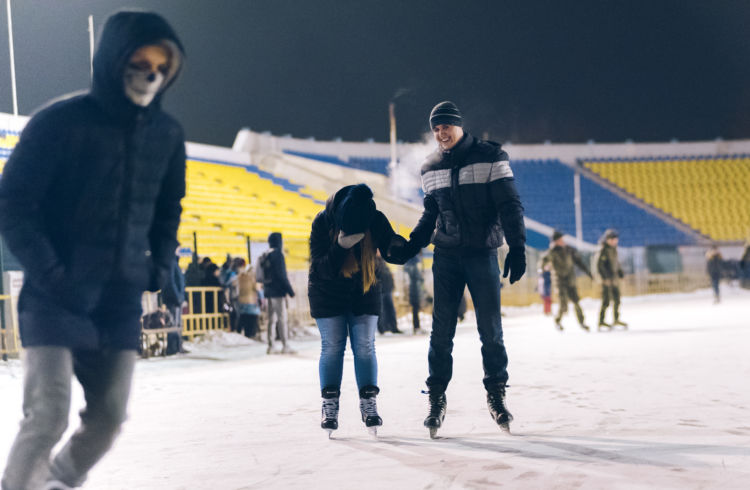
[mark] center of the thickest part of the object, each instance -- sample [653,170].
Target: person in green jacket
[611,273]
[564,259]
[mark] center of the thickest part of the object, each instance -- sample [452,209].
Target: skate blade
[330,433]
[373,431]
[433,433]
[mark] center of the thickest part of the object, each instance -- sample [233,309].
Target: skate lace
[497,401]
[436,405]
[369,407]
[331,408]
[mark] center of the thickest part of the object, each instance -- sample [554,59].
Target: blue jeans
[333,333]
[451,274]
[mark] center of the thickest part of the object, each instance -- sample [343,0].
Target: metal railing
[205,312]
[10,345]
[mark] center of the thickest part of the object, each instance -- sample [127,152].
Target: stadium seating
[547,192]
[226,203]
[708,193]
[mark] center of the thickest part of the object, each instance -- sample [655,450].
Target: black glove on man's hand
[515,263]
[620,273]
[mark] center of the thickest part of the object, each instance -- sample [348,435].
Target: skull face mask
[141,86]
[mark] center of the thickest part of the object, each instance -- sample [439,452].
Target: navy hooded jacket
[90,200]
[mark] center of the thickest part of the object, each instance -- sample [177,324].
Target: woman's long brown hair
[367,261]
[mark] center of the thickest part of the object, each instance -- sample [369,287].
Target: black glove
[515,263]
[620,273]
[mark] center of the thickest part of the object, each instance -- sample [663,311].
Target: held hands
[515,263]
[348,241]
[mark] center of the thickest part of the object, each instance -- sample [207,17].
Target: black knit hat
[445,113]
[355,212]
[557,234]
[611,233]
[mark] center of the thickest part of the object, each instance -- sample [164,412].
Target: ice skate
[369,409]
[498,411]
[438,406]
[330,411]
[620,323]
[603,325]
[288,350]
[585,327]
[558,325]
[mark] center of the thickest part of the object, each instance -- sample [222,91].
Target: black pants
[452,273]
[248,324]
[610,292]
[415,315]
[387,321]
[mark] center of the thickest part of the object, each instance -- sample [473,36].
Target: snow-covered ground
[663,405]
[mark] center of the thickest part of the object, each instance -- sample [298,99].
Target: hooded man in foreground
[90,205]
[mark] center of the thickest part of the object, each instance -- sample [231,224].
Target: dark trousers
[715,287]
[451,274]
[610,292]
[249,325]
[415,315]
[567,291]
[387,321]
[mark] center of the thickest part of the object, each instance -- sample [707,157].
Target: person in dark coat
[745,267]
[90,205]
[276,287]
[345,296]
[610,272]
[470,205]
[714,264]
[214,302]
[387,320]
[416,281]
[173,297]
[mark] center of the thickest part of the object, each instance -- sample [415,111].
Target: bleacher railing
[10,345]
[199,320]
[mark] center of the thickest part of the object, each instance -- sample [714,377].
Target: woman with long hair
[345,296]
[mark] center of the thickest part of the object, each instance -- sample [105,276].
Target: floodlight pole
[91,44]
[394,150]
[12,60]
[577,204]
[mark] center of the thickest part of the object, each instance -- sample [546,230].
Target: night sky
[525,71]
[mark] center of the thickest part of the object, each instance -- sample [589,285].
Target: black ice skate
[603,325]
[620,323]
[558,324]
[330,410]
[369,409]
[498,411]
[585,327]
[438,406]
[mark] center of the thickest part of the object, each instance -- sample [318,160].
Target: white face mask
[141,86]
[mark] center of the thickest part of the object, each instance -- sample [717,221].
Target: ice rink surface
[665,405]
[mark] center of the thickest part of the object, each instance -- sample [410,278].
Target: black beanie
[355,212]
[557,234]
[445,113]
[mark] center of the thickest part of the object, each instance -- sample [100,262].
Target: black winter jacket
[90,201]
[277,285]
[471,200]
[330,293]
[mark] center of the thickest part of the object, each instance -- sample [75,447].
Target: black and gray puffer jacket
[471,200]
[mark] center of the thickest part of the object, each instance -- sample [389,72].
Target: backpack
[263,272]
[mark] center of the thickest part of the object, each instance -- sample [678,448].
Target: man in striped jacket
[471,203]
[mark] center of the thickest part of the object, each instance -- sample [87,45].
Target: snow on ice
[664,405]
